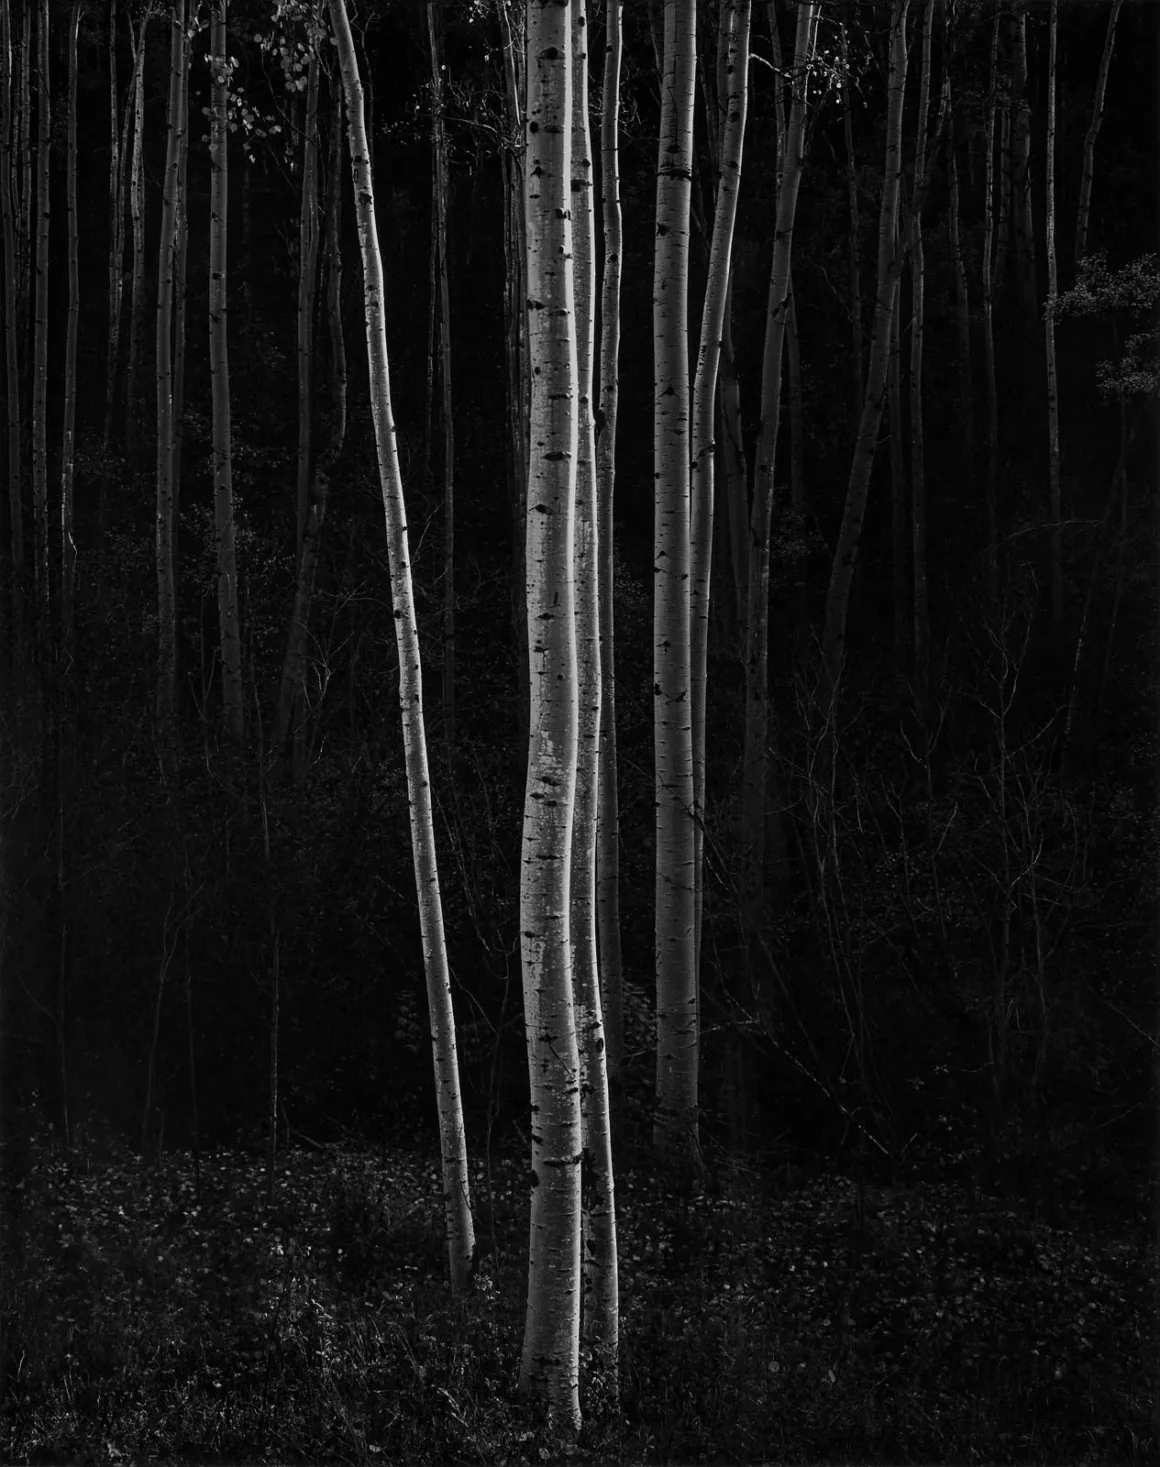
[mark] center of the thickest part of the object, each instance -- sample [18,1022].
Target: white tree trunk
[456,1195]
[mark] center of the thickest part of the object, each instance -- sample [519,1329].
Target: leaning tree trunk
[219,375]
[456,1195]
[600,1287]
[677,1042]
[549,1367]
[1089,143]
[608,819]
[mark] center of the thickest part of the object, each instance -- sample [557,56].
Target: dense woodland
[774,438]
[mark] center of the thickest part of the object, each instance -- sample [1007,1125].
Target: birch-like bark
[68,551]
[307,286]
[989,319]
[549,1365]
[675,1125]
[166,512]
[1021,218]
[137,216]
[180,271]
[40,324]
[734,26]
[889,266]
[453,1146]
[294,662]
[608,817]
[1083,213]
[899,504]
[1053,456]
[854,241]
[736,471]
[219,377]
[11,334]
[600,1307]
[755,757]
[917,438]
[962,302]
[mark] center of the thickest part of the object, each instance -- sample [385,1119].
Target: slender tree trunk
[962,305]
[899,504]
[549,1367]
[1053,464]
[1023,228]
[923,144]
[440,187]
[854,246]
[755,758]
[219,373]
[137,216]
[40,338]
[11,333]
[166,489]
[889,265]
[456,1195]
[68,430]
[600,1290]
[608,818]
[1089,143]
[290,701]
[989,322]
[307,286]
[180,271]
[734,25]
[736,470]
[675,1125]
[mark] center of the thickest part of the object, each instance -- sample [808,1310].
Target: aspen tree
[599,1304]
[989,317]
[889,266]
[755,758]
[180,268]
[917,437]
[1023,230]
[40,325]
[11,334]
[1053,465]
[899,504]
[453,1146]
[962,302]
[549,1366]
[736,468]
[1083,212]
[166,513]
[24,229]
[854,241]
[307,285]
[675,1127]
[734,101]
[68,429]
[137,218]
[608,817]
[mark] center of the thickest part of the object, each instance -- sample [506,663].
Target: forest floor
[155,1313]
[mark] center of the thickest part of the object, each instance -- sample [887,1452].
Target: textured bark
[755,757]
[923,145]
[40,333]
[307,287]
[1083,213]
[734,100]
[294,663]
[854,242]
[600,1307]
[962,303]
[1021,219]
[137,216]
[180,270]
[166,513]
[736,471]
[11,334]
[219,376]
[608,818]
[899,505]
[675,1126]
[989,321]
[1053,465]
[456,1195]
[68,551]
[889,266]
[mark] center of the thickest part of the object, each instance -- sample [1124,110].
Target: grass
[152,1315]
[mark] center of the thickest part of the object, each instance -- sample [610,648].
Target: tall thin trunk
[736,470]
[166,489]
[899,505]
[137,215]
[24,150]
[440,187]
[180,271]
[889,266]
[600,1308]
[1053,464]
[453,1146]
[307,286]
[677,1042]
[219,376]
[923,143]
[1021,218]
[294,662]
[962,310]
[11,334]
[40,338]
[755,757]
[853,242]
[549,1366]
[68,429]
[989,320]
[608,818]
[734,26]
[1003,228]
[1089,142]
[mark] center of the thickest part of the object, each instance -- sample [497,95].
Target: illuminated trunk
[1053,464]
[989,322]
[307,284]
[40,332]
[68,430]
[923,143]
[137,216]
[1089,143]
[11,334]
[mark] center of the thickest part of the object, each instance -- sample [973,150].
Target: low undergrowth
[151,1314]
